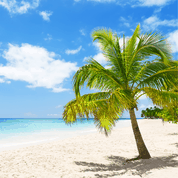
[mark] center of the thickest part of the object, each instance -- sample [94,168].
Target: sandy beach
[95,155]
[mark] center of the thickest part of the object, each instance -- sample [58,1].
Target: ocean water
[20,132]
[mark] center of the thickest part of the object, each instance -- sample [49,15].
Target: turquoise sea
[20,132]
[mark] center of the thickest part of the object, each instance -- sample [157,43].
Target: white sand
[95,155]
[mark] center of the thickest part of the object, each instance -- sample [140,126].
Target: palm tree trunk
[143,152]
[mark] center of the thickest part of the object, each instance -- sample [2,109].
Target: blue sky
[43,43]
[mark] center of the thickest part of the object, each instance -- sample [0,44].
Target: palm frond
[149,45]
[161,98]
[104,106]
[111,49]
[130,49]
[105,110]
[154,44]
[157,75]
[96,76]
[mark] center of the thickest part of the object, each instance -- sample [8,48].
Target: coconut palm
[126,78]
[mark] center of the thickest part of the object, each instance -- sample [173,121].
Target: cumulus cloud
[173,39]
[100,58]
[73,51]
[45,15]
[22,7]
[36,66]
[153,22]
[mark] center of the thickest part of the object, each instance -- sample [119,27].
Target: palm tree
[125,79]
[143,113]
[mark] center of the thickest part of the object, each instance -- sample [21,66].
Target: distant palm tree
[127,77]
[143,113]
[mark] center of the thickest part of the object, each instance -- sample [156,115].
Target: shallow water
[15,133]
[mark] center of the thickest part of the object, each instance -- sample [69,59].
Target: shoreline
[30,139]
[95,155]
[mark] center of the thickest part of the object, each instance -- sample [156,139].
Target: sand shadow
[176,145]
[119,166]
[173,134]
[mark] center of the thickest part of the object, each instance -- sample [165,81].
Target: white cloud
[36,66]
[45,15]
[134,3]
[143,97]
[82,31]
[48,38]
[97,46]
[22,7]
[153,2]
[126,24]
[59,106]
[146,106]
[2,80]
[122,18]
[153,22]
[125,21]
[173,39]
[74,51]
[100,58]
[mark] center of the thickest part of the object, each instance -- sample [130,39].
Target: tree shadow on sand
[176,145]
[173,134]
[119,166]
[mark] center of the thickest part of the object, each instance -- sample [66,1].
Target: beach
[95,155]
